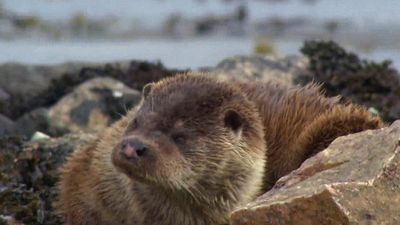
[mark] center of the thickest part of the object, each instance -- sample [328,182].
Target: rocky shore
[46,111]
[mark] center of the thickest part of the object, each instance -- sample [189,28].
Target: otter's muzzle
[133,149]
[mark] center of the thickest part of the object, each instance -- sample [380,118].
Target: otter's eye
[179,138]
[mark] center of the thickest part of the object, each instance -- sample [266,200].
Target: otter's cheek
[114,155]
[173,166]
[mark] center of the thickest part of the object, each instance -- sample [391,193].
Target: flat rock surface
[356,180]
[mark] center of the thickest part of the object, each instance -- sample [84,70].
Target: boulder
[93,105]
[356,180]
[24,88]
[264,68]
[6,125]
[36,120]
[4,95]
[90,107]
[22,79]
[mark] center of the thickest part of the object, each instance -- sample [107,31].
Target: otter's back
[286,112]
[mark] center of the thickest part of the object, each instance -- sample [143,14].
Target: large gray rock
[90,107]
[93,105]
[5,125]
[4,95]
[22,79]
[30,87]
[356,180]
[249,68]
[37,120]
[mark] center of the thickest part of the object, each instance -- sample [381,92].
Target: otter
[195,149]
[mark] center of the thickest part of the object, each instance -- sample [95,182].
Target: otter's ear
[234,121]
[146,89]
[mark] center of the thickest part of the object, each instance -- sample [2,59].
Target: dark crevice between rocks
[357,80]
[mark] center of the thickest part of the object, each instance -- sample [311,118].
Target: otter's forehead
[187,98]
[183,103]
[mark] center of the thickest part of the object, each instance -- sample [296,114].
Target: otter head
[197,135]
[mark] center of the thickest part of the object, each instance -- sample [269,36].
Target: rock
[6,125]
[37,136]
[4,95]
[29,110]
[28,174]
[356,180]
[134,74]
[250,68]
[22,79]
[93,105]
[37,120]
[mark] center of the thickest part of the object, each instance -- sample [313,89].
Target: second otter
[196,148]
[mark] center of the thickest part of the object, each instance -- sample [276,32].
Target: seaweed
[29,173]
[375,85]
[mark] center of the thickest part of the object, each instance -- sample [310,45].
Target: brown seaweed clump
[357,80]
[28,173]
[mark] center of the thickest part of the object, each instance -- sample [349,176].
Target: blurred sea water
[373,22]
[362,12]
[193,53]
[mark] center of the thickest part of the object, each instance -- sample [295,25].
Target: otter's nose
[133,148]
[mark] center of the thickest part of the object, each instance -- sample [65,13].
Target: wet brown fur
[300,122]
[281,127]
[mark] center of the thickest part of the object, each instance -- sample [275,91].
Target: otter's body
[195,149]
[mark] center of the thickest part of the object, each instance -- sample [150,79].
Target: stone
[93,105]
[4,95]
[37,136]
[37,120]
[356,180]
[264,68]
[24,88]
[22,79]
[90,107]
[6,125]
